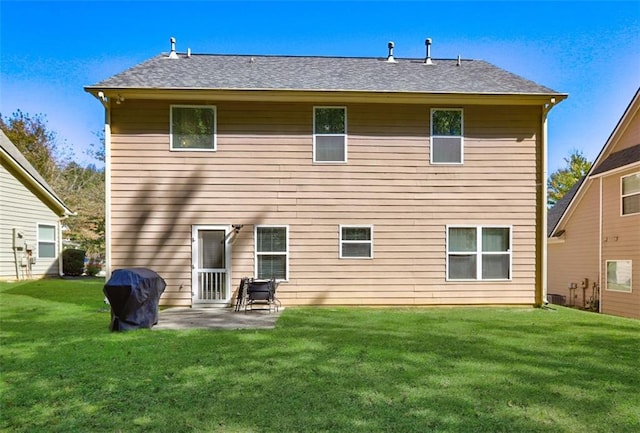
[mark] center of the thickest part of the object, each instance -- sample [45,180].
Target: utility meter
[18,239]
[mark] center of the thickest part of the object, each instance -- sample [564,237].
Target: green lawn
[321,370]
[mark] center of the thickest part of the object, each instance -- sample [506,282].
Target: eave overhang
[51,200]
[623,168]
[326,96]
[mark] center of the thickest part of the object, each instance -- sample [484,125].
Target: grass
[321,370]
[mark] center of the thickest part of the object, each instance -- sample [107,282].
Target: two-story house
[594,230]
[352,181]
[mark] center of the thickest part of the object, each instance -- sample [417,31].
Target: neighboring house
[594,231]
[352,181]
[30,219]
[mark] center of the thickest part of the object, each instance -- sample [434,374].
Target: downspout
[600,249]
[543,207]
[60,249]
[106,103]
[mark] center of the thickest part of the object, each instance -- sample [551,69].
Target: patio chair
[261,292]
[242,294]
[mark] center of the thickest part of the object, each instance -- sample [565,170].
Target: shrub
[93,268]
[73,262]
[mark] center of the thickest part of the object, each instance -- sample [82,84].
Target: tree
[32,138]
[81,188]
[563,179]
[97,150]
[83,191]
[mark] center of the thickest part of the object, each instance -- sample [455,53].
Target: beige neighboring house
[30,219]
[352,181]
[594,231]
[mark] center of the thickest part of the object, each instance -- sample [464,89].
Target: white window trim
[346,147]
[432,136]
[256,253]
[56,253]
[344,241]
[622,196]
[478,253]
[215,128]
[606,277]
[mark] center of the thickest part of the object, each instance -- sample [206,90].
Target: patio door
[211,272]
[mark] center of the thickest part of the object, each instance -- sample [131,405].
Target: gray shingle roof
[556,212]
[244,72]
[619,159]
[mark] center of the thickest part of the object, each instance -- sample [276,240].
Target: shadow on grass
[327,370]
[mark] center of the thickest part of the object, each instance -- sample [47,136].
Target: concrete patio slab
[215,318]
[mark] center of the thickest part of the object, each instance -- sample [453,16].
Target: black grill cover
[134,294]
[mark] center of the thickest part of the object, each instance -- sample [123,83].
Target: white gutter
[323,95]
[59,234]
[107,194]
[543,187]
[106,103]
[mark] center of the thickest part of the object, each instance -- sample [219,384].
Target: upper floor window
[46,241]
[478,253]
[631,194]
[193,127]
[329,134]
[272,252]
[356,242]
[446,136]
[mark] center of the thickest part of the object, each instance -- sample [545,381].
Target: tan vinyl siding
[628,136]
[596,232]
[21,209]
[621,241]
[262,173]
[576,259]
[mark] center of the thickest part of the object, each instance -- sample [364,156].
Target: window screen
[446,136]
[193,127]
[330,134]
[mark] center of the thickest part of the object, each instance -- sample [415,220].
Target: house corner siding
[541,211]
[262,173]
[594,231]
[21,209]
[620,241]
[575,259]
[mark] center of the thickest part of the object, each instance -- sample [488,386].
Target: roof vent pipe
[390,58]
[427,60]
[172,54]
[459,61]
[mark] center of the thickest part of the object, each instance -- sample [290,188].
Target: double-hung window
[356,242]
[330,134]
[272,252]
[193,127]
[46,241]
[631,194]
[446,136]
[478,253]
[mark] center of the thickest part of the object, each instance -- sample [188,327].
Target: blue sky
[591,50]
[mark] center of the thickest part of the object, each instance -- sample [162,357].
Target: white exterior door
[211,258]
